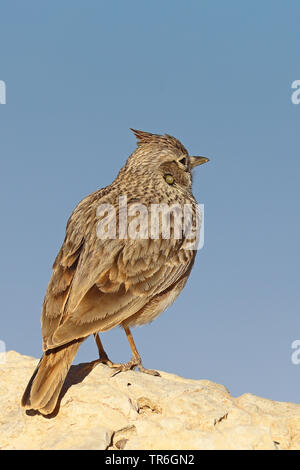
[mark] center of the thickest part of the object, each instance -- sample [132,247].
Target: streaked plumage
[99,284]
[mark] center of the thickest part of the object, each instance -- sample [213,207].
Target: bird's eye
[182,161]
[169,179]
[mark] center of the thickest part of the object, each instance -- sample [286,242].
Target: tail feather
[44,387]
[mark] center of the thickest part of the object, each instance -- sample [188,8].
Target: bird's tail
[44,387]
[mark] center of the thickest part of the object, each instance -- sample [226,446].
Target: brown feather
[99,284]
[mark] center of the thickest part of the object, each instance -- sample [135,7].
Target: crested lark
[99,282]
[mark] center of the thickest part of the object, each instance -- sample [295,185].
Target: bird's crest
[164,140]
[143,137]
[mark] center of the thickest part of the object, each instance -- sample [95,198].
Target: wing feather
[97,284]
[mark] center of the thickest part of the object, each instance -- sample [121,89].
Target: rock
[138,411]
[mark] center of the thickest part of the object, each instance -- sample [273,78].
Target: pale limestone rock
[137,411]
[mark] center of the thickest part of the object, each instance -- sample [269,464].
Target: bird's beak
[195,161]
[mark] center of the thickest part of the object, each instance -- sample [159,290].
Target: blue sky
[218,76]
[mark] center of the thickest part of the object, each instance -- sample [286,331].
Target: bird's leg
[135,361]
[103,357]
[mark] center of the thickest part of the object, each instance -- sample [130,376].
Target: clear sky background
[218,76]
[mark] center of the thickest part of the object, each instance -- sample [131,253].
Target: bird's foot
[107,362]
[104,359]
[131,365]
[148,371]
[134,362]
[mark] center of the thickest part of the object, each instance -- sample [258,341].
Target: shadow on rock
[75,376]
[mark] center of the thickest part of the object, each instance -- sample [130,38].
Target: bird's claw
[131,365]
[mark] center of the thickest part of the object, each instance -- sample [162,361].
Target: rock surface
[137,411]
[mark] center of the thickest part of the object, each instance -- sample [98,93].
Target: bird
[100,282]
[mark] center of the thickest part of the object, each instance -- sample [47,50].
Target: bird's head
[164,156]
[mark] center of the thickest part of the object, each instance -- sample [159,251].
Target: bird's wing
[96,284]
[68,265]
